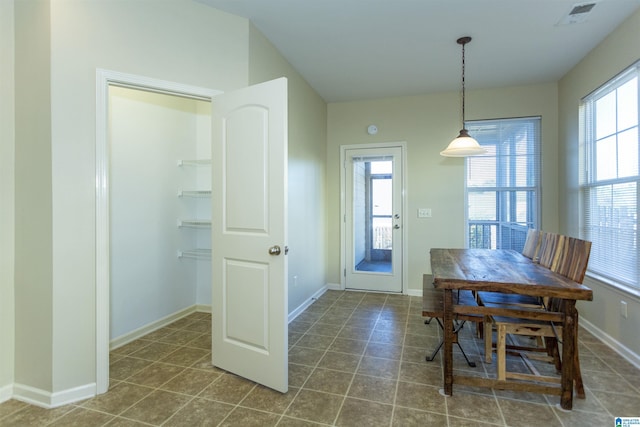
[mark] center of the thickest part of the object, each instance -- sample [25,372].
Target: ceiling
[360,49]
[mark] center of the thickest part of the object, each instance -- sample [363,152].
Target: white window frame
[534,186]
[600,266]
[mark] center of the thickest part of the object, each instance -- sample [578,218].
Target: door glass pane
[373,215]
[381,192]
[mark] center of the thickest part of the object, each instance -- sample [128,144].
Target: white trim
[302,307]
[71,395]
[104,78]
[153,326]
[47,400]
[6,393]
[624,291]
[334,286]
[203,308]
[414,292]
[616,345]
[405,196]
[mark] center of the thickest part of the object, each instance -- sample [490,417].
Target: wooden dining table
[509,272]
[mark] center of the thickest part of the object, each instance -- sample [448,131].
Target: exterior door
[249,233]
[373,219]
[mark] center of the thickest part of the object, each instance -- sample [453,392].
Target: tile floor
[356,359]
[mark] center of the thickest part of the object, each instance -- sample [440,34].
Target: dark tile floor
[355,359]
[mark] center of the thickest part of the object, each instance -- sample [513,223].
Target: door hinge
[344,273]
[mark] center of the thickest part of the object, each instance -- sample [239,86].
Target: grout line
[320,359]
[376,321]
[344,399]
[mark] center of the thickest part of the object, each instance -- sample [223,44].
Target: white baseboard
[146,329]
[48,400]
[6,392]
[334,286]
[616,345]
[414,292]
[203,308]
[302,307]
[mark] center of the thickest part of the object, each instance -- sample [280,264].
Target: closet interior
[160,208]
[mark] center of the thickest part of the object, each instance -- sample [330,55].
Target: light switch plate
[424,213]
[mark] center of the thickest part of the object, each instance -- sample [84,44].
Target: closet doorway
[160,208]
[241,121]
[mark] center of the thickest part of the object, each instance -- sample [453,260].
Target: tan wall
[427,124]
[33,198]
[7,198]
[619,50]
[307,165]
[185,42]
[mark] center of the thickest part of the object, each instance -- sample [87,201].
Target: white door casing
[354,278]
[278,311]
[249,233]
[105,78]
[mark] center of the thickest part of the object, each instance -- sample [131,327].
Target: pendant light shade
[464,145]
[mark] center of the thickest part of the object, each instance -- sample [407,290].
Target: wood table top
[500,270]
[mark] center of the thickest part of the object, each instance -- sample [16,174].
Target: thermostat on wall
[372,129]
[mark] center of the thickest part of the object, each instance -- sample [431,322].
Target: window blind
[503,185]
[610,178]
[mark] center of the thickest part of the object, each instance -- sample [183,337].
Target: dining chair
[551,249]
[532,244]
[531,250]
[570,258]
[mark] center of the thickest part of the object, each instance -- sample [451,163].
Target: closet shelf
[195,254]
[194,223]
[199,162]
[194,193]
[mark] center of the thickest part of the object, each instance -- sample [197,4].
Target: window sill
[626,290]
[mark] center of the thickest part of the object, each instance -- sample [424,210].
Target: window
[503,186]
[610,178]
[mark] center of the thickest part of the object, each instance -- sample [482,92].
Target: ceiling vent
[579,13]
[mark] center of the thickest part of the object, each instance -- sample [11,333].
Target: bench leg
[488,339]
[501,353]
[456,329]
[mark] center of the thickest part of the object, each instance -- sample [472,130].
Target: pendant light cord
[463,66]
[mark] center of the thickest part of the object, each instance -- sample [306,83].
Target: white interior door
[249,233]
[373,206]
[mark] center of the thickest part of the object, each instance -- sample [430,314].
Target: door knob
[274,250]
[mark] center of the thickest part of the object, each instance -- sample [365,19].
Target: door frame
[104,79]
[343,237]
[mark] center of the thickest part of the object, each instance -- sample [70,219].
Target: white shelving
[198,208]
[201,162]
[194,223]
[194,193]
[195,254]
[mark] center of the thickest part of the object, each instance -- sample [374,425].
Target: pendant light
[463,145]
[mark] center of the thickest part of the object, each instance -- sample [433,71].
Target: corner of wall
[7,199]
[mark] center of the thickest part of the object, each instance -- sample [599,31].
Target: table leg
[448,341]
[569,332]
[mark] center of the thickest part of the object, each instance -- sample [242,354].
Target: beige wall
[427,124]
[619,50]
[179,41]
[7,198]
[33,198]
[307,157]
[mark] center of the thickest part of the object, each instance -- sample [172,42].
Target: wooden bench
[432,307]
